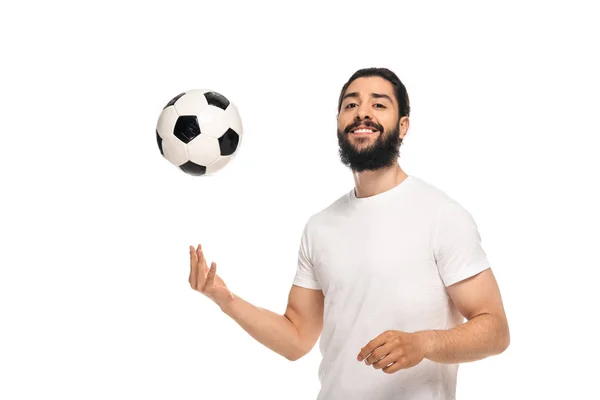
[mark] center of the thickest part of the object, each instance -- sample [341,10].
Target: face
[368,128]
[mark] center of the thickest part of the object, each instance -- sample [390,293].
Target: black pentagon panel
[186,128]
[229,142]
[216,99]
[193,168]
[159,141]
[173,100]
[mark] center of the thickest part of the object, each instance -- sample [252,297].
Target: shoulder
[438,204]
[329,213]
[425,188]
[428,195]
[333,209]
[449,217]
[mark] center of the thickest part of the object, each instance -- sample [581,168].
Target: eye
[349,105]
[379,105]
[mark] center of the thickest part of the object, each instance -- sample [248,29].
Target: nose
[364,112]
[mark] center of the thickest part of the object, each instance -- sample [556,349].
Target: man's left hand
[394,350]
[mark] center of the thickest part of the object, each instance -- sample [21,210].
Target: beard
[383,152]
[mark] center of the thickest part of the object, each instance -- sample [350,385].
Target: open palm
[205,280]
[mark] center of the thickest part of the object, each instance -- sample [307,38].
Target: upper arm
[305,311]
[456,244]
[478,295]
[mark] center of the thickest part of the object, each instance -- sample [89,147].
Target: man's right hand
[205,280]
[291,335]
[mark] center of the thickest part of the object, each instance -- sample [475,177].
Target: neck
[371,183]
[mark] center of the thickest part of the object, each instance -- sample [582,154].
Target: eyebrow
[373,95]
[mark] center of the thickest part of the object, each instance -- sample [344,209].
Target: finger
[200,271]
[391,355]
[193,267]
[210,278]
[202,260]
[379,356]
[395,367]
[372,345]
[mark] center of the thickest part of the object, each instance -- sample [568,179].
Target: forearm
[482,336]
[273,330]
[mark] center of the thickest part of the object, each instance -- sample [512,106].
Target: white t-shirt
[383,263]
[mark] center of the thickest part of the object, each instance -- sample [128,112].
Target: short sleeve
[457,244]
[305,271]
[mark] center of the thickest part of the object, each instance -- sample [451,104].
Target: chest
[382,251]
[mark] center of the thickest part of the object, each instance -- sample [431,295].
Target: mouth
[363,131]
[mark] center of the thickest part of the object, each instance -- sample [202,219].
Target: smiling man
[391,276]
[399,263]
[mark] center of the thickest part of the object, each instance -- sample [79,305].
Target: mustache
[367,123]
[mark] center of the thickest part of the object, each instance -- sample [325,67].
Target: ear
[403,126]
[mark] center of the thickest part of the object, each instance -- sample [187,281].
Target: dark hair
[399,89]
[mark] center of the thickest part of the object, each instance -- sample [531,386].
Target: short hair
[399,88]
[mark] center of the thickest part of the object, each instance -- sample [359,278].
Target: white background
[95,225]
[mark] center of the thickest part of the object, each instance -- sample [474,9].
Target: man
[386,275]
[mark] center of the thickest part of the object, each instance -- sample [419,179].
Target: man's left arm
[456,246]
[485,333]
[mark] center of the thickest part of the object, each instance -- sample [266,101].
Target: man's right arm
[292,334]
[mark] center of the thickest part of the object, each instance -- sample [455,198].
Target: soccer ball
[199,131]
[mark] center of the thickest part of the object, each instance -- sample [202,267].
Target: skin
[484,334]
[291,335]
[205,280]
[295,333]
[366,105]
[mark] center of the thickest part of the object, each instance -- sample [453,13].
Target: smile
[363,131]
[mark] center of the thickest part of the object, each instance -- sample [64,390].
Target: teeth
[364,131]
